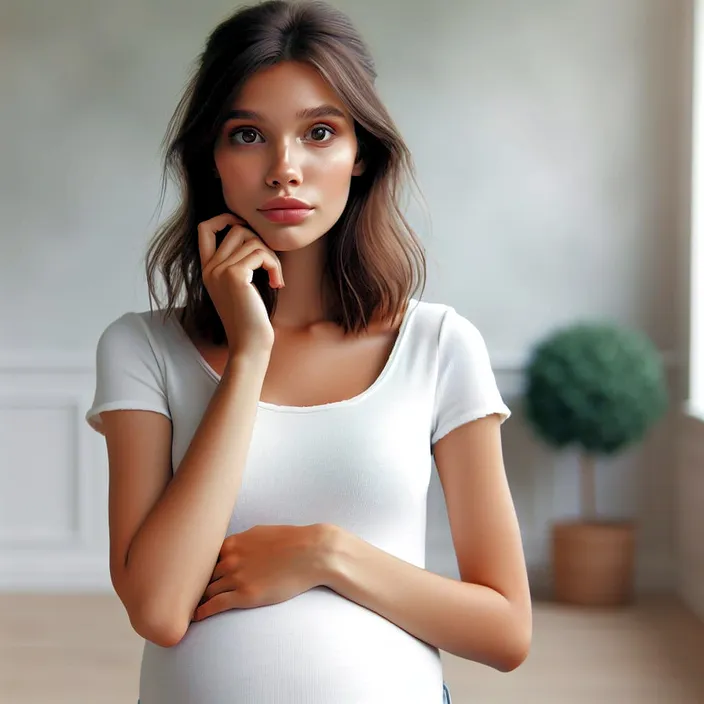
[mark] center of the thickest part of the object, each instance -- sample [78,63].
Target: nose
[285,168]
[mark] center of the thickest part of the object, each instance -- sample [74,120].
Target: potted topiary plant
[598,387]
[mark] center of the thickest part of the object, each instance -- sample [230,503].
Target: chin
[289,239]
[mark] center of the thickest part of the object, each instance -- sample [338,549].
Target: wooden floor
[81,650]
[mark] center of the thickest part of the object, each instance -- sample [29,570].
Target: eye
[320,131]
[249,135]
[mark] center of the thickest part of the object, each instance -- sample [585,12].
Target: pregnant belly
[318,648]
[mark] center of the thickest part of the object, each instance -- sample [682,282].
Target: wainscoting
[53,478]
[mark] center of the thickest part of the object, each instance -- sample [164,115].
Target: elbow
[513,658]
[153,623]
[157,625]
[165,633]
[516,649]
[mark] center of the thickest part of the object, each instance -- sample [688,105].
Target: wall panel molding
[58,541]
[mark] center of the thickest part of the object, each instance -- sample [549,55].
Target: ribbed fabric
[363,464]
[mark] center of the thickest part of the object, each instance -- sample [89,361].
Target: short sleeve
[128,376]
[466,386]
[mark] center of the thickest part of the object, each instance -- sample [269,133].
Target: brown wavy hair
[374,261]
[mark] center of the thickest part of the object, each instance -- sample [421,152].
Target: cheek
[238,180]
[334,170]
[236,170]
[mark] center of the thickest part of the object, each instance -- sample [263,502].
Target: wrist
[249,362]
[324,545]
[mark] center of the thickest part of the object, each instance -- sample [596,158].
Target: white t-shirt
[363,464]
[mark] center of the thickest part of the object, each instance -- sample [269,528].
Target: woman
[270,441]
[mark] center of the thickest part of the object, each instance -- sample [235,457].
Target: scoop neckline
[266,405]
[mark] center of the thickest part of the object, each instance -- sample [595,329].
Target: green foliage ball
[595,385]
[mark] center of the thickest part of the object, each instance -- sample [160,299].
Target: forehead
[285,89]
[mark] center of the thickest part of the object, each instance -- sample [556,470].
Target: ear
[359,167]
[359,163]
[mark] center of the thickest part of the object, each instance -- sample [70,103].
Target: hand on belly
[265,565]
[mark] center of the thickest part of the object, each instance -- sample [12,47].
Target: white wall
[547,137]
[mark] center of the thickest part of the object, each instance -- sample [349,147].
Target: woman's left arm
[486,617]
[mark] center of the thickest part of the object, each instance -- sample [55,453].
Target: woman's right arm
[166,533]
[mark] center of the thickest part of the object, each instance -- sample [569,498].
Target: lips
[287,216]
[285,203]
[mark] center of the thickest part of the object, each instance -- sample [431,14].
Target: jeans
[446,698]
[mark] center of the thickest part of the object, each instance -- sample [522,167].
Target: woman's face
[288,135]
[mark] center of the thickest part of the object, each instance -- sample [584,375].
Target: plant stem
[588,486]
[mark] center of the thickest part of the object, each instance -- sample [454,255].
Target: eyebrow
[307,114]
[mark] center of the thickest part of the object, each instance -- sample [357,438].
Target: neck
[300,303]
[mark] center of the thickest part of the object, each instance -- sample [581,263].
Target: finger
[259,258]
[251,244]
[218,604]
[223,567]
[218,586]
[227,545]
[206,235]
[267,260]
[249,247]
[237,249]
[234,239]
